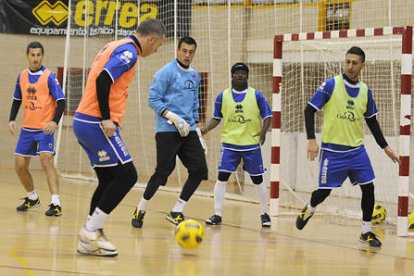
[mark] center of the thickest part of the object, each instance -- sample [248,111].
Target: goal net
[221,31]
[302,63]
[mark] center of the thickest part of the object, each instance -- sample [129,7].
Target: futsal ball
[411,221]
[189,234]
[379,214]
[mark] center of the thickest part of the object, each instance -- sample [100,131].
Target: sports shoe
[138,218]
[300,221]
[175,217]
[54,210]
[266,222]
[28,203]
[95,243]
[214,220]
[371,239]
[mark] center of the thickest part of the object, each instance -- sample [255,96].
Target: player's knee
[200,172]
[224,176]
[257,179]
[128,174]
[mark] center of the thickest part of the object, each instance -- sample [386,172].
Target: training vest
[39,107]
[241,120]
[118,94]
[342,115]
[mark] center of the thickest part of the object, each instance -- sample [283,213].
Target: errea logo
[103,156]
[46,12]
[126,56]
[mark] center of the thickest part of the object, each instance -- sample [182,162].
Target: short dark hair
[34,45]
[151,26]
[355,50]
[187,40]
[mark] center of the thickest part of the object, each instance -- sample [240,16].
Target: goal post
[301,62]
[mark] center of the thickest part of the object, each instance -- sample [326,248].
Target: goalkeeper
[346,101]
[174,98]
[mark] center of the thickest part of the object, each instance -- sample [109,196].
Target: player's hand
[12,127]
[202,141]
[109,127]
[313,149]
[180,124]
[50,128]
[391,154]
[262,137]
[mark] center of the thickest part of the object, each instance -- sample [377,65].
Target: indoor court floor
[33,244]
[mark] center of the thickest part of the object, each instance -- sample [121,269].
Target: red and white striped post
[405,116]
[276,126]
[405,132]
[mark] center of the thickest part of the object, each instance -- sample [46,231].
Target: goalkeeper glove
[202,141]
[182,126]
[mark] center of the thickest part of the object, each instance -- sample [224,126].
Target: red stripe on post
[276,84]
[403,206]
[310,36]
[405,130]
[360,32]
[404,166]
[326,35]
[277,49]
[343,33]
[406,84]
[407,44]
[279,38]
[275,155]
[274,189]
[276,121]
[295,37]
[397,30]
[378,31]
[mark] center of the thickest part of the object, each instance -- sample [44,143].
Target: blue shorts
[102,151]
[34,142]
[252,161]
[335,167]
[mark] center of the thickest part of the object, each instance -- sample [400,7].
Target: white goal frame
[405,124]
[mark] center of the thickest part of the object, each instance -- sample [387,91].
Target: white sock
[96,221]
[56,200]
[219,194]
[32,195]
[179,206]
[261,190]
[143,204]
[366,226]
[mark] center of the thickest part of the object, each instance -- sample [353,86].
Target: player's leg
[333,170]
[25,149]
[253,164]
[228,162]
[362,173]
[167,146]
[46,151]
[191,154]
[219,194]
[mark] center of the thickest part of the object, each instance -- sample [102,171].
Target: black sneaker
[300,222]
[214,220]
[266,222]
[175,217]
[54,210]
[138,218]
[371,239]
[28,203]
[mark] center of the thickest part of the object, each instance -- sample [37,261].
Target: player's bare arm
[12,127]
[313,149]
[392,155]
[210,125]
[50,128]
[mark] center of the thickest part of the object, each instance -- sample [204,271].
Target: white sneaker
[95,243]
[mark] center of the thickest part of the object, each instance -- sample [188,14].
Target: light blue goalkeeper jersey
[176,89]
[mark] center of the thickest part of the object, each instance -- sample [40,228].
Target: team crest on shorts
[103,156]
